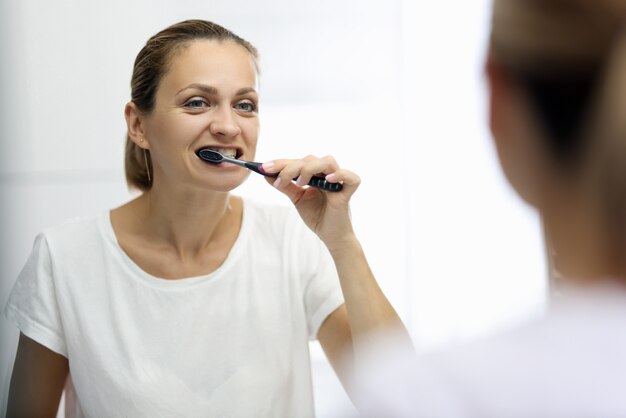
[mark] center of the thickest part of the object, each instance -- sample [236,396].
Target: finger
[289,172]
[316,166]
[345,177]
[274,166]
[283,168]
[291,190]
[350,181]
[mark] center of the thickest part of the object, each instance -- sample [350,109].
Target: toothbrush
[215,157]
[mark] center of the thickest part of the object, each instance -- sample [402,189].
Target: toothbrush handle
[256,167]
[319,182]
[322,183]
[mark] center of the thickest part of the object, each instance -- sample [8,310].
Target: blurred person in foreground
[557,76]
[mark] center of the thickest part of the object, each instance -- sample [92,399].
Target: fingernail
[299,181]
[267,166]
[277,183]
[331,177]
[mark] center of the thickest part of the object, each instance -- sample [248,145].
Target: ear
[496,80]
[135,123]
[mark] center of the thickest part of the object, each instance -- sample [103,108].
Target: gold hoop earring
[145,158]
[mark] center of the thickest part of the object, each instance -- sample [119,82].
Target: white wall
[476,253]
[393,89]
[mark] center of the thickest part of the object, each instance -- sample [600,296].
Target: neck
[578,244]
[184,220]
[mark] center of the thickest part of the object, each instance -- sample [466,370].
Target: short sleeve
[322,291]
[33,304]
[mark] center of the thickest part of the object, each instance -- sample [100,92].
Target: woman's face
[208,98]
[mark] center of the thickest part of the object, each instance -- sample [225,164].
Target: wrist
[347,243]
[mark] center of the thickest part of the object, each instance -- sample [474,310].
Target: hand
[326,213]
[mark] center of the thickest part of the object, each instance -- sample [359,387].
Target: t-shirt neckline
[153,280]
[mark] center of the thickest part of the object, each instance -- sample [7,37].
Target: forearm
[369,311]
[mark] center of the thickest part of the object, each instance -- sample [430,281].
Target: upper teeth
[227,152]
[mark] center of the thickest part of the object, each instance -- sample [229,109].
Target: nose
[224,124]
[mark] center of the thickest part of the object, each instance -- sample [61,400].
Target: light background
[393,89]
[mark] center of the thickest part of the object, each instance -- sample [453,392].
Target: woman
[189,301]
[557,77]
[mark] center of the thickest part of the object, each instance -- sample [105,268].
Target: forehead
[222,64]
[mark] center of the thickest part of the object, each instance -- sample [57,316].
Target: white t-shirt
[233,343]
[569,363]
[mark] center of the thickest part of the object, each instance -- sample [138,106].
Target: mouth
[230,152]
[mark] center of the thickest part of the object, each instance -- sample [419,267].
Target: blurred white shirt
[569,363]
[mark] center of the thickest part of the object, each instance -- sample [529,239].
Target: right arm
[39,375]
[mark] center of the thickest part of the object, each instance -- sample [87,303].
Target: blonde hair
[151,64]
[570,55]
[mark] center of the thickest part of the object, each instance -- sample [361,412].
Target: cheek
[526,161]
[251,130]
[169,130]
[159,128]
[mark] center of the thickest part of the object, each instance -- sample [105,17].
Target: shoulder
[539,368]
[73,234]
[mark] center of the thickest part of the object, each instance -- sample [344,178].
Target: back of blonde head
[577,45]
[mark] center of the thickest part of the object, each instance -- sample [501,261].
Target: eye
[246,106]
[196,103]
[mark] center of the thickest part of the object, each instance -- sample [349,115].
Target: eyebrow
[213,91]
[245,90]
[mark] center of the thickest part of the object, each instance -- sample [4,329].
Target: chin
[226,185]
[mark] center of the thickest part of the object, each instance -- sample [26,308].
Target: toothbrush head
[209,155]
